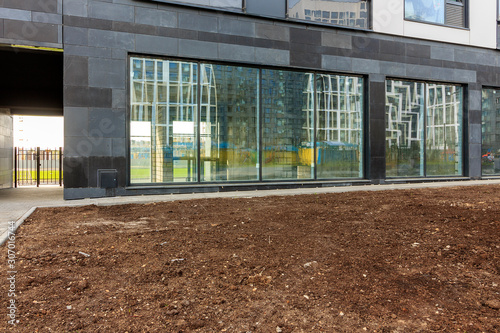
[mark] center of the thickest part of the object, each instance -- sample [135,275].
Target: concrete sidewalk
[17,204]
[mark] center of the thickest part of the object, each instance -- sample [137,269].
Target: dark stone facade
[99,35]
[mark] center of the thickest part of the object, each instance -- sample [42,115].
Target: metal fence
[38,167]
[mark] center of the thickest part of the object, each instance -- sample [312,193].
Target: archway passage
[31,85]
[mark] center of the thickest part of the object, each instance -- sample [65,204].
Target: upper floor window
[233,5]
[351,13]
[445,12]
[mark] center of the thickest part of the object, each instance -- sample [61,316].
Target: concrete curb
[5,235]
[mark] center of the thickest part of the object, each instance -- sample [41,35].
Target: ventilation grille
[455,15]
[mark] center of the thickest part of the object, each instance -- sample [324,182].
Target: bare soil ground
[394,261]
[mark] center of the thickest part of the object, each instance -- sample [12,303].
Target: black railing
[38,167]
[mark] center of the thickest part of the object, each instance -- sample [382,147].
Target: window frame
[465,4]
[425,126]
[198,182]
[496,113]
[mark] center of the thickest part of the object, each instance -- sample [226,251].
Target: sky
[43,132]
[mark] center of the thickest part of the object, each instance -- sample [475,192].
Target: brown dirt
[394,261]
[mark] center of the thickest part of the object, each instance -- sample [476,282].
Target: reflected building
[352,13]
[490,128]
[423,129]
[253,123]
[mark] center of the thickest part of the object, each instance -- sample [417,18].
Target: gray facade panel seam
[236,52]
[271,31]
[199,49]
[107,73]
[156,45]
[15,14]
[272,57]
[111,11]
[197,22]
[236,27]
[156,17]
[40,17]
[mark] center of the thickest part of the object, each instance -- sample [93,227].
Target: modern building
[163,96]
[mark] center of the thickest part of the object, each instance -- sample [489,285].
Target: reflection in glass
[406,154]
[287,124]
[235,5]
[339,126]
[404,151]
[425,10]
[163,121]
[229,120]
[238,140]
[490,148]
[444,130]
[351,13]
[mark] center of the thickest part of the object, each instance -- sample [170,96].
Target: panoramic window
[163,121]
[254,124]
[229,120]
[287,124]
[423,129]
[490,148]
[339,126]
[351,13]
[447,12]
[235,5]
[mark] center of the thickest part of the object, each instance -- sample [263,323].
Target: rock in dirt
[82,285]
[311,264]
[493,303]
[195,324]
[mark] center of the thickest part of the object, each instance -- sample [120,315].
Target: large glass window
[351,13]
[444,130]
[254,124]
[423,129]
[163,121]
[287,127]
[339,126]
[229,120]
[404,129]
[490,148]
[235,5]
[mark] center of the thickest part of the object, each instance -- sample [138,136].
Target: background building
[208,95]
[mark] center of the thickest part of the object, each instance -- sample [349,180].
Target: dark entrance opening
[31,85]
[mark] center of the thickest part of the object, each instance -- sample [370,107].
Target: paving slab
[18,203]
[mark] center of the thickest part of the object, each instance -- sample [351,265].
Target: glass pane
[444,130]
[339,130]
[490,149]
[352,13]
[229,132]
[163,123]
[287,138]
[235,5]
[425,10]
[404,134]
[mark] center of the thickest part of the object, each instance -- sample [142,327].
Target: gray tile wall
[31,22]
[100,34]
[6,149]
